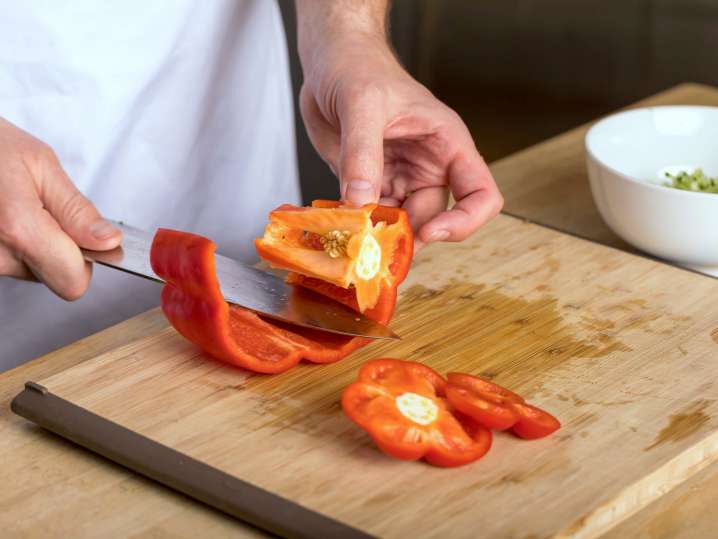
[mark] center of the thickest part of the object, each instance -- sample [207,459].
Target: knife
[249,287]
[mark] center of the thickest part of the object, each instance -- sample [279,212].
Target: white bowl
[628,154]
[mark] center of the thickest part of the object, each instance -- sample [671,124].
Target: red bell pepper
[401,405]
[534,422]
[366,248]
[193,304]
[496,407]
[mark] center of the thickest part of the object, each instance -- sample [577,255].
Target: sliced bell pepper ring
[401,405]
[192,302]
[363,248]
[496,407]
[487,403]
[534,422]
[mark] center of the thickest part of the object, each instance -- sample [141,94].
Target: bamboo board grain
[591,333]
[51,488]
[548,184]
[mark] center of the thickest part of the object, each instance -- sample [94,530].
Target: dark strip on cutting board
[176,470]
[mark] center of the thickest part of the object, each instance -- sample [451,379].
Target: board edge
[211,486]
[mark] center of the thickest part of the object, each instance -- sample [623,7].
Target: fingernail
[438,235]
[360,192]
[102,230]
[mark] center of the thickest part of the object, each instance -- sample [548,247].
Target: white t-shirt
[174,113]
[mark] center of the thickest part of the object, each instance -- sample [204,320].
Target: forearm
[323,22]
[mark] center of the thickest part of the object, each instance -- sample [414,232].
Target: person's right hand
[44,219]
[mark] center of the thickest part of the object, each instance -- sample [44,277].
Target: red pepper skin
[449,439]
[534,422]
[496,407]
[488,404]
[399,266]
[192,302]
[405,250]
[295,236]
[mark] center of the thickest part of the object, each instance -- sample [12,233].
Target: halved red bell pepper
[353,248]
[193,304]
[401,405]
[496,407]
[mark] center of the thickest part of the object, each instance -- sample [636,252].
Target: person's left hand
[389,139]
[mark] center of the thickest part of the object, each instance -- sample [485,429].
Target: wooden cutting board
[624,350]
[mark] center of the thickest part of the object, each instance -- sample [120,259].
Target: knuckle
[13,231]
[446,115]
[455,116]
[39,159]
[75,207]
[20,149]
[40,153]
[42,162]
[47,153]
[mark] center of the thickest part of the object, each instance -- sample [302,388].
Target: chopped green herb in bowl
[694,181]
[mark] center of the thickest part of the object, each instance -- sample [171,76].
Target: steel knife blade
[249,287]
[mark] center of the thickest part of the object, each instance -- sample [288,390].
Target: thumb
[361,158]
[75,214]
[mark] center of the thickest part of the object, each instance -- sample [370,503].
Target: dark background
[520,71]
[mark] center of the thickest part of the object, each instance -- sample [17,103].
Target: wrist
[339,25]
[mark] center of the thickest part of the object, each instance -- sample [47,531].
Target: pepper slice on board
[192,302]
[496,407]
[342,245]
[534,422]
[401,405]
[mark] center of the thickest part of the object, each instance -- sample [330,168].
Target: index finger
[52,256]
[477,201]
[361,155]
